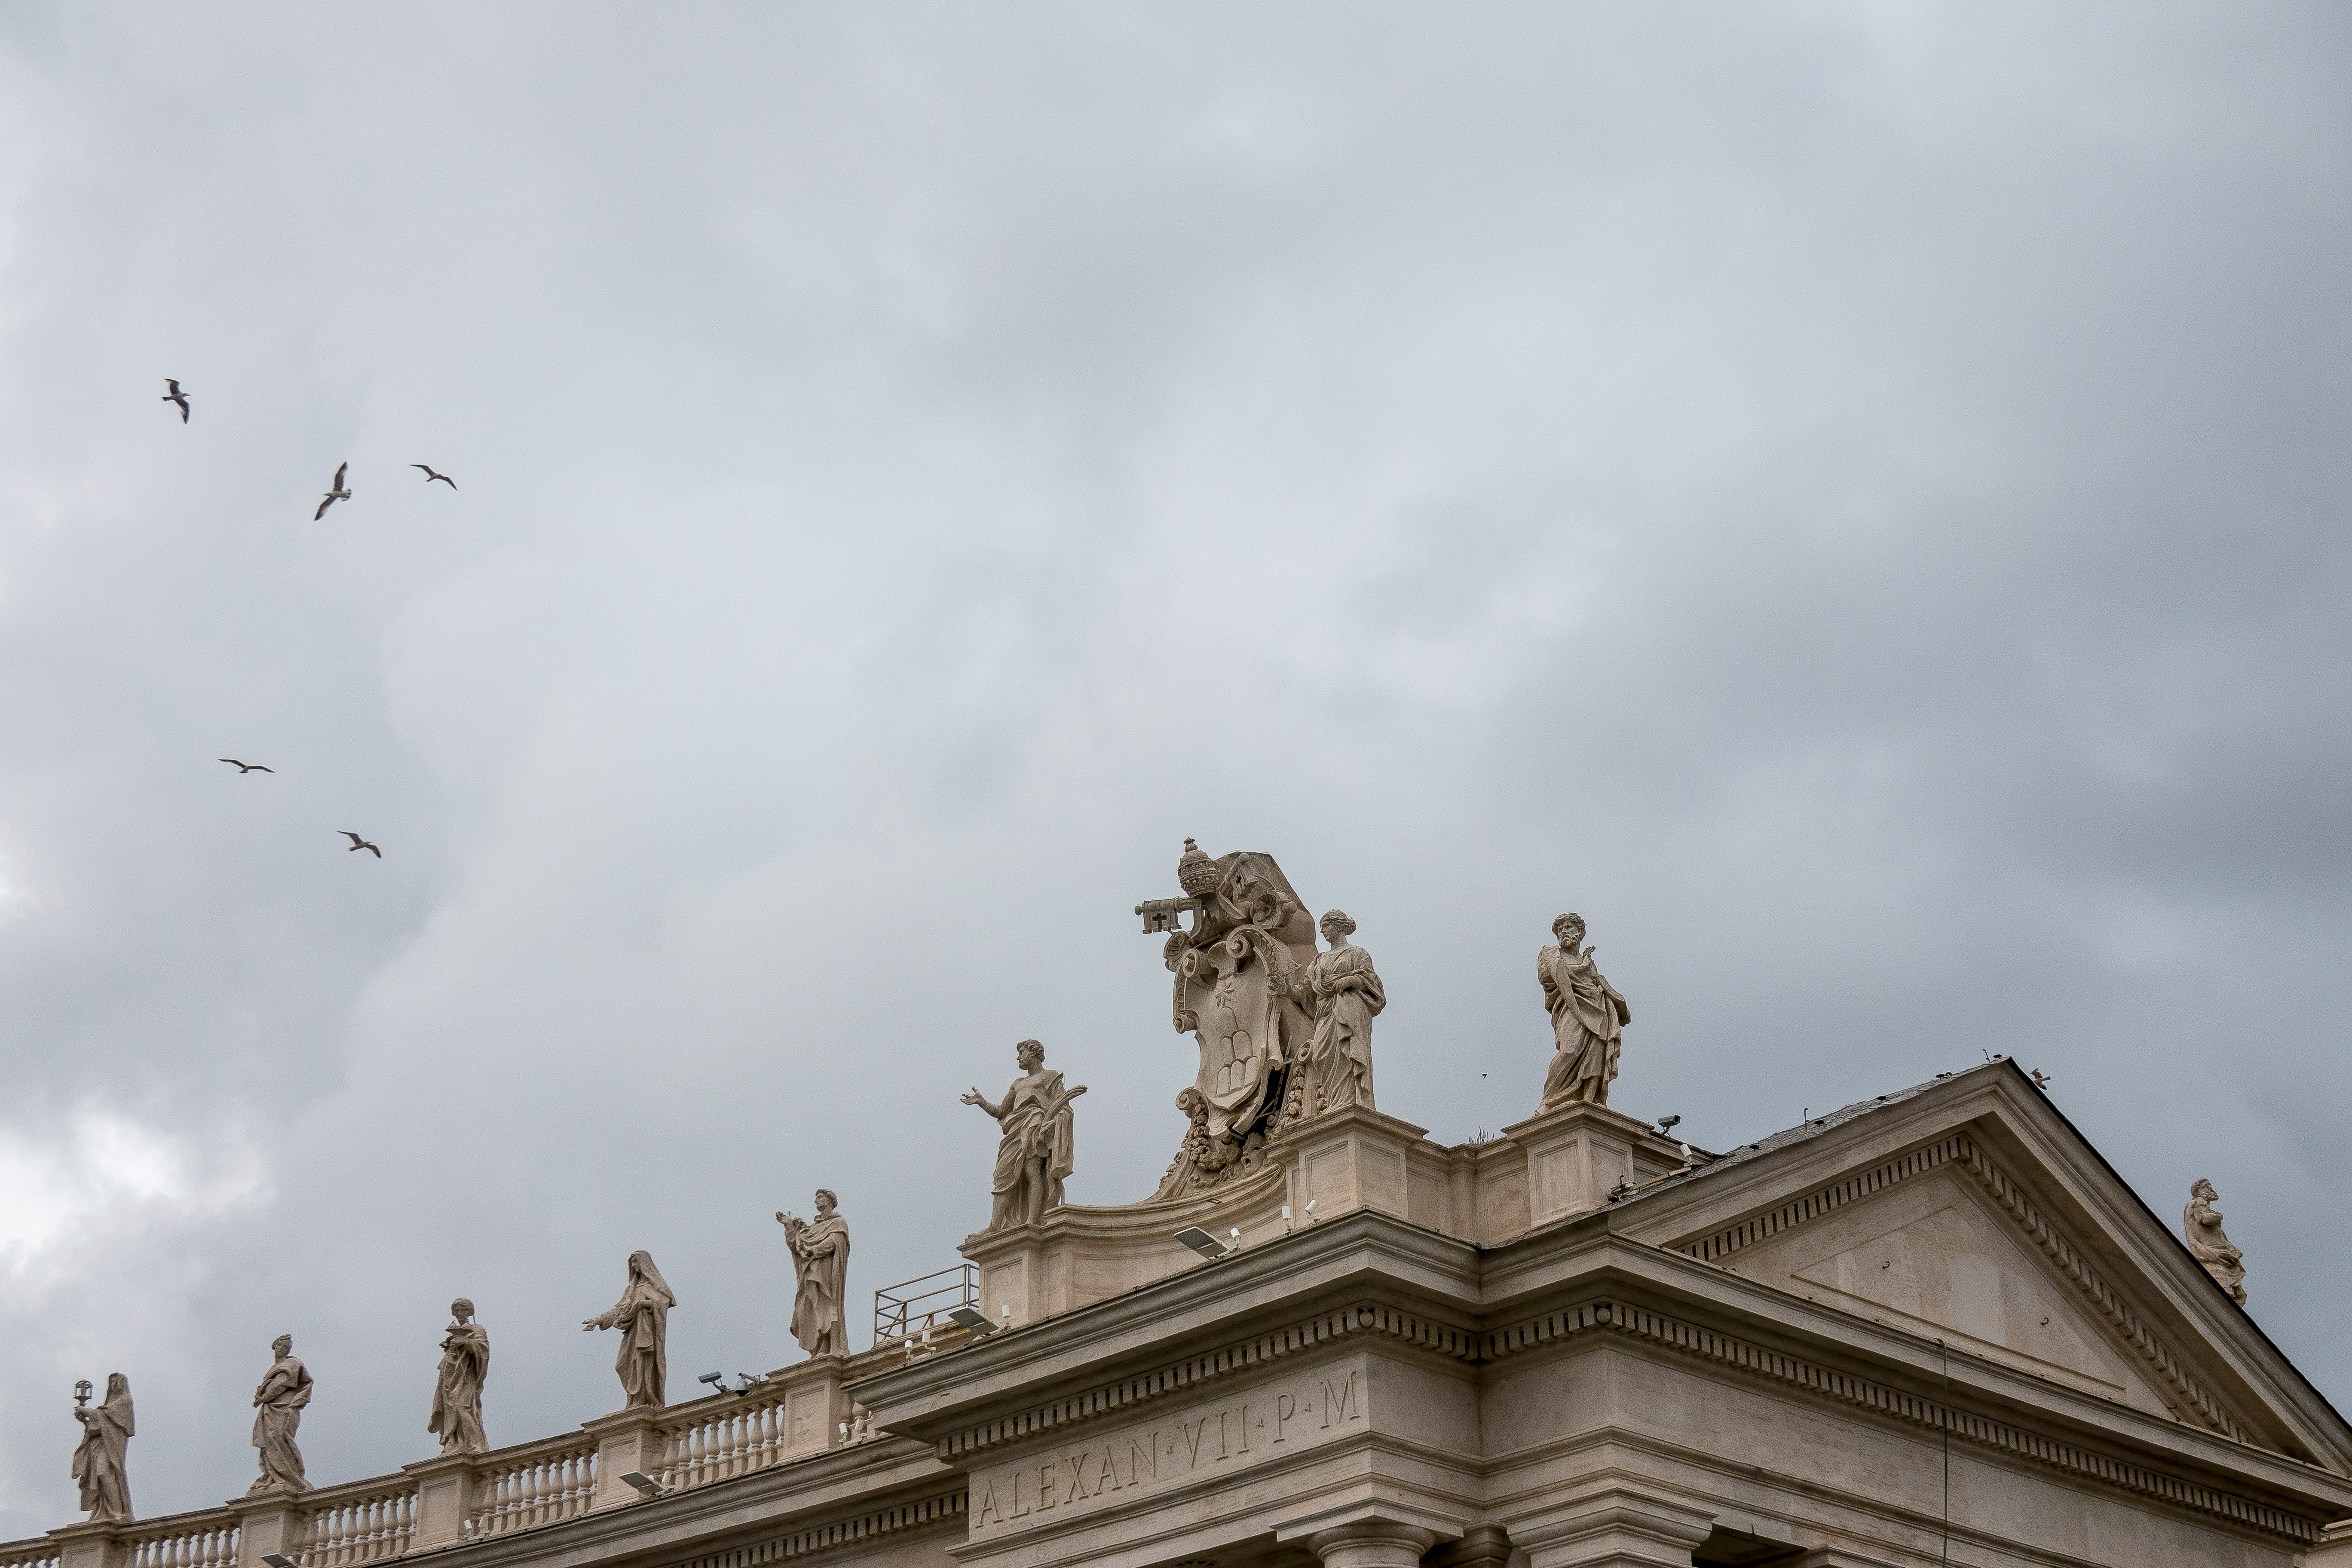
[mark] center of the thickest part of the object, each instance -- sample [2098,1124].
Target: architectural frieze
[1795,1372]
[937,1509]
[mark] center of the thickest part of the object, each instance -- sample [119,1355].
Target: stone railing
[794,1413]
[538,1483]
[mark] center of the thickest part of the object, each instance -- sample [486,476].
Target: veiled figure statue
[1587,1019]
[277,1412]
[820,1249]
[2200,1223]
[1032,1154]
[99,1462]
[641,1314]
[457,1418]
[1345,993]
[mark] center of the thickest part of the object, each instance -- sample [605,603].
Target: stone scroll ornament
[1239,973]
[2200,1223]
[457,1418]
[641,1314]
[278,1411]
[1033,1149]
[99,1461]
[820,1249]
[1588,1017]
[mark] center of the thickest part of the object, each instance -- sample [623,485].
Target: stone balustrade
[797,1413]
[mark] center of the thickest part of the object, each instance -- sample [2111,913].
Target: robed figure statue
[97,1463]
[1587,1018]
[641,1314]
[277,1412]
[457,1418]
[1032,1154]
[2200,1225]
[1345,992]
[820,1249]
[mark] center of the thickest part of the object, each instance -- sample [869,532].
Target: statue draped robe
[641,1314]
[821,1261]
[2210,1245]
[98,1464]
[284,1390]
[1587,1015]
[1030,1133]
[457,1418]
[1348,995]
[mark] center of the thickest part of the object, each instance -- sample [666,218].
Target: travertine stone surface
[1345,995]
[277,1413]
[2200,1223]
[1035,1146]
[820,1251]
[100,1462]
[641,1314]
[457,1415]
[1588,1017]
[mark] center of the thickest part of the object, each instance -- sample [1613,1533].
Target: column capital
[1372,1543]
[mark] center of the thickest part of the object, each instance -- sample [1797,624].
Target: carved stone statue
[278,1404]
[1587,1019]
[2201,1224]
[457,1418]
[1238,969]
[1345,991]
[641,1314]
[97,1463]
[820,1249]
[1033,1153]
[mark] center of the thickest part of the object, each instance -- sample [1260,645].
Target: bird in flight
[335,492]
[430,476]
[243,768]
[358,843]
[175,395]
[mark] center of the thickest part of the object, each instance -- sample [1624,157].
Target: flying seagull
[335,492]
[243,768]
[358,843]
[430,476]
[175,395]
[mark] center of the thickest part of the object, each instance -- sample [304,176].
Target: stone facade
[1929,1326]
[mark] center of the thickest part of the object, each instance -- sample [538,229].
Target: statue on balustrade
[820,1249]
[1033,1153]
[1588,1017]
[277,1412]
[97,1463]
[1240,976]
[457,1418]
[641,1314]
[1345,992]
[2201,1224]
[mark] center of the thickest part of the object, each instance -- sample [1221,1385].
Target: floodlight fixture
[646,1486]
[277,1560]
[971,1318]
[1201,1242]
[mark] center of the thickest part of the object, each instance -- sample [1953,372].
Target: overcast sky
[1850,498]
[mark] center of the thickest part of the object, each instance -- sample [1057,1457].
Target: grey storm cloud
[1850,498]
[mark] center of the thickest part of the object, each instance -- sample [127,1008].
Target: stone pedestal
[445,1497]
[90,1546]
[815,1404]
[274,1523]
[626,1441]
[1575,1155]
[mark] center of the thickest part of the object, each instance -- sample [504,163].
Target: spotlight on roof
[646,1486]
[277,1560]
[1201,1242]
[971,1318]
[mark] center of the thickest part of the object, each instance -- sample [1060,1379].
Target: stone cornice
[939,1508]
[1612,1316]
[1963,1153]
[1324,1329]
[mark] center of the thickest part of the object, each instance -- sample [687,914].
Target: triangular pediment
[1968,1210]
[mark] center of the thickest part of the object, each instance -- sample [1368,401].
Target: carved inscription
[1254,1427]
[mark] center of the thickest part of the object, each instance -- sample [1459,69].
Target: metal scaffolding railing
[913,1306]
